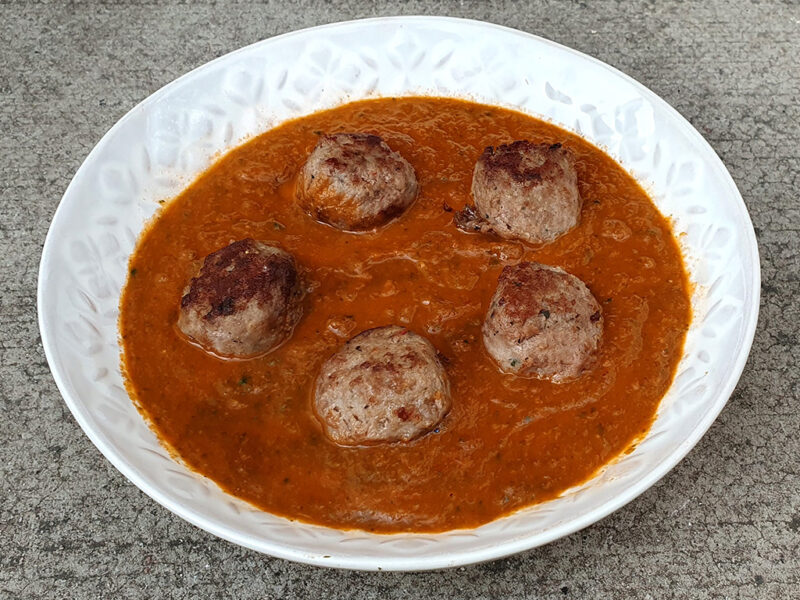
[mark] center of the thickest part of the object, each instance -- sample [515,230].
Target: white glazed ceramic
[160,145]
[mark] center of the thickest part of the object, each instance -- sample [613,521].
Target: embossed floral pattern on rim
[162,143]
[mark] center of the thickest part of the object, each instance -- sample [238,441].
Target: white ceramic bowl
[160,145]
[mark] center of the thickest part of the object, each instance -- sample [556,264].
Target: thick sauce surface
[508,442]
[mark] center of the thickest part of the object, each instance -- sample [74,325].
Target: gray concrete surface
[724,524]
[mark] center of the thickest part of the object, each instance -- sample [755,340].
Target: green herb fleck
[545,313]
[278,226]
[244,380]
[133,272]
[514,362]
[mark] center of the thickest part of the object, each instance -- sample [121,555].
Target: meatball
[245,300]
[524,191]
[542,322]
[384,385]
[355,182]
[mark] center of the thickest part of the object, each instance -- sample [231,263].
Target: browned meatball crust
[245,300]
[355,182]
[384,385]
[542,322]
[524,191]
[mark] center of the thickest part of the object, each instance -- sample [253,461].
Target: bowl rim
[515,544]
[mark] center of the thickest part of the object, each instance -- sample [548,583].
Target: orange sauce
[508,442]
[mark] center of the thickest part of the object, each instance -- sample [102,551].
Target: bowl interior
[163,143]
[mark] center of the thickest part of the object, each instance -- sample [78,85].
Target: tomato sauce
[508,442]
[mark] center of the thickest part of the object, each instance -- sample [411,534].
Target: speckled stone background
[724,524]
